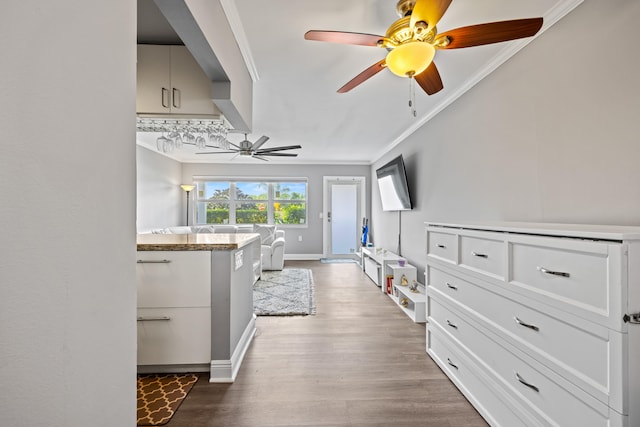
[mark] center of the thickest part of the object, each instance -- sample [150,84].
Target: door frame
[326,192]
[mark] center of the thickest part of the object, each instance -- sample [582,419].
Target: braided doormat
[159,396]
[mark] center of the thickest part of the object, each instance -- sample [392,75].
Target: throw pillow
[267,233]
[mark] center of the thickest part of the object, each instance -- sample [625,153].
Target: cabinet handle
[479,255]
[153,261]
[531,386]
[453,325]
[451,363]
[165,97]
[441,246]
[450,286]
[526,325]
[176,98]
[555,273]
[153,318]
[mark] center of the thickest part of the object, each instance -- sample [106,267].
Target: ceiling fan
[247,148]
[413,39]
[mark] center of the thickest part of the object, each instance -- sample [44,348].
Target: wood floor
[360,361]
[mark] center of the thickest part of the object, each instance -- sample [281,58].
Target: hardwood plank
[360,361]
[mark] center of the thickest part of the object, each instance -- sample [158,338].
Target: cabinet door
[153,80]
[190,86]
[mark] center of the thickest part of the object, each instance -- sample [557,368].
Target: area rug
[159,396]
[284,293]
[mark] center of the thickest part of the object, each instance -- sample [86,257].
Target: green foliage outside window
[251,201]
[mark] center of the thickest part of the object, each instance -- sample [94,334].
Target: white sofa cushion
[267,233]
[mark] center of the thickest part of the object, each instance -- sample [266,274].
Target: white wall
[551,136]
[160,198]
[67,181]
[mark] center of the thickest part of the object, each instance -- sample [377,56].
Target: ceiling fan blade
[217,152]
[492,32]
[366,74]
[259,157]
[429,80]
[344,37]
[287,147]
[429,11]
[277,154]
[259,142]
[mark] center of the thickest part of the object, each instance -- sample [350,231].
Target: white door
[343,216]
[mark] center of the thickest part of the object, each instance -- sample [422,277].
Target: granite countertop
[195,242]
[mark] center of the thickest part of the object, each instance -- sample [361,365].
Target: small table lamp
[187,188]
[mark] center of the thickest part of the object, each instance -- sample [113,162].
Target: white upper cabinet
[170,81]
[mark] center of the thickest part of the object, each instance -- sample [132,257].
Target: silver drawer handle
[451,363]
[531,386]
[153,318]
[526,325]
[441,246]
[479,255]
[555,273]
[154,261]
[450,286]
[453,325]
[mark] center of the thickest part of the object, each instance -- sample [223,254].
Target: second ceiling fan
[255,150]
[413,39]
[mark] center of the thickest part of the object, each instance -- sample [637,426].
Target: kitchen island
[195,302]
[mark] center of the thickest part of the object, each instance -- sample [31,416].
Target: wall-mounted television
[392,183]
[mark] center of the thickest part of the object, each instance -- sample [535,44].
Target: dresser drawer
[174,279]
[580,355]
[442,245]
[174,336]
[497,409]
[579,276]
[484,255]
[555,402]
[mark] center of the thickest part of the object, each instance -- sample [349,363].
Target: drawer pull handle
[479,255]
[153,318]
[450,286]
[441,246]
[555,273]
[526,325]
[531,386]
[453,325]
[154,261]
[451,363]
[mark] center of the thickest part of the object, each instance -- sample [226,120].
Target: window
[252,201]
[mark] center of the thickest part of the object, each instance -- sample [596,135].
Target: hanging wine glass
[161,143]
[176,137]
[200,142]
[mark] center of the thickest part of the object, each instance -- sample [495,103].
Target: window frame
[270,200]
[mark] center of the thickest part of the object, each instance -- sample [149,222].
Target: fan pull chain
[412,97]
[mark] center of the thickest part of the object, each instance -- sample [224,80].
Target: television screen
[392,183]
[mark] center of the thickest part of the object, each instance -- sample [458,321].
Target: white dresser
[534,322]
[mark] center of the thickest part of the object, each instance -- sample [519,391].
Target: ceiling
[295,80]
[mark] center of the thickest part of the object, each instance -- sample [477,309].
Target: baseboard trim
[303,257]
[225,371]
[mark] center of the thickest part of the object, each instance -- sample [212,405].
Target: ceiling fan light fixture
[410,59]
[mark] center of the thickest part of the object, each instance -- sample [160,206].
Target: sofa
[272,240]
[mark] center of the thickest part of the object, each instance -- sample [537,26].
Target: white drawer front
[554,403]
[574,274]
[442,246]
[484,396]
[183,337]
[484,255]
[183,281]
[372,269]
[572,352]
